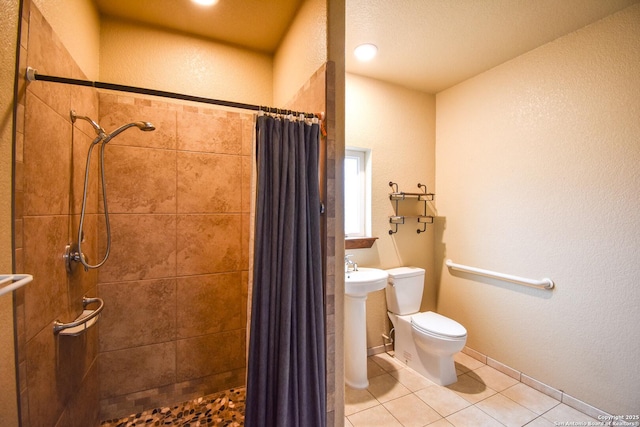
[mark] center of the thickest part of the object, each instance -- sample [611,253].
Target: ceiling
[254,24]
[428,45]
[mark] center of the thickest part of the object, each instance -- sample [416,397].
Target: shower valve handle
[72,255]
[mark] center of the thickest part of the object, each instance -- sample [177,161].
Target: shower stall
[175,286]
[176,236]
[176,233]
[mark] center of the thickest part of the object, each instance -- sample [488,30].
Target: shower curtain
[286,366]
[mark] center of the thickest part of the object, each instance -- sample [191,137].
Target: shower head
[143,126]
[104,136]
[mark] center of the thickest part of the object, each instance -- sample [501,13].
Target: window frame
[363,191]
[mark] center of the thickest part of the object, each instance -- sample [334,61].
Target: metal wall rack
[423,197]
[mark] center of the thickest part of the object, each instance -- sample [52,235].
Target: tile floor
[397,396]
[483,396]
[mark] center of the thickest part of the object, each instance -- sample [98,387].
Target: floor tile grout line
[489,415]
[471,404]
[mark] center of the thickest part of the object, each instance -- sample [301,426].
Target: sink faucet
[349,264]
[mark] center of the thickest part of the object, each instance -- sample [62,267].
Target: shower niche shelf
[421,197]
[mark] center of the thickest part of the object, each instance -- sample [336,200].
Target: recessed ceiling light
[205,2]
[365,52]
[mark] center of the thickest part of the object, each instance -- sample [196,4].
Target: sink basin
[364,280]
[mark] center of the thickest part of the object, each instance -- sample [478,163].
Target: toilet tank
[404,290]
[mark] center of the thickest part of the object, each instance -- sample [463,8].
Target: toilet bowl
[426,342]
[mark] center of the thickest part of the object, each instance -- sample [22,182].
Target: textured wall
[136,55]
[302,52]
[112,51]
[537,175]
[398,125]
[82,37]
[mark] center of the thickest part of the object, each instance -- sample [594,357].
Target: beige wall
[537,175]
[142,56]
[82,38]
[8,40]
[115,51]
[302,51]
[398,125]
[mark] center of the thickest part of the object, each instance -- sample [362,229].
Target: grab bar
[545,283]
[86,319]
[20,280]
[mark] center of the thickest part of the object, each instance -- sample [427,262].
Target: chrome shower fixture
[106,137]
[74,252]
[143,126]
[101,132]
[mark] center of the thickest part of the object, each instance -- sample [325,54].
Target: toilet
[425,342]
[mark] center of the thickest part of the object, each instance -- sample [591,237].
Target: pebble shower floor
[225,408]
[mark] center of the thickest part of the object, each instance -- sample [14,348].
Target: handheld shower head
[106,137]
[103,137]
[143,126]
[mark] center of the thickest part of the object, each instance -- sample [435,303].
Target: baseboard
[376,350]
[558,395]
[554,393]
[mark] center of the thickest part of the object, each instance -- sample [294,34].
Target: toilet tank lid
[405,272]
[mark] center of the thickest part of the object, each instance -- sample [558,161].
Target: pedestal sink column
[355,341]
[357,285]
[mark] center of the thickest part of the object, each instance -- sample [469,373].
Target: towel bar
[18,280]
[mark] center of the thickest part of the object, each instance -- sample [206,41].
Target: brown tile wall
[175,285]
[57,375]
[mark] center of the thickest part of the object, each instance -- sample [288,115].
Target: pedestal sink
[357,285]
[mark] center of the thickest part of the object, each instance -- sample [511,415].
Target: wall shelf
[359,242]
[422,197]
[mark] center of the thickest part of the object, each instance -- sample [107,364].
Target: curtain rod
[32,75]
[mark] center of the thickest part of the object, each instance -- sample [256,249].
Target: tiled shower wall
[175,285]
[58,376]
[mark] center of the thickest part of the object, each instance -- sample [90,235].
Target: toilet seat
[435,324]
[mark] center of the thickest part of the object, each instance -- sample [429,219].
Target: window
[357,184]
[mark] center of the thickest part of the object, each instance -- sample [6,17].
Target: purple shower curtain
[286,367]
